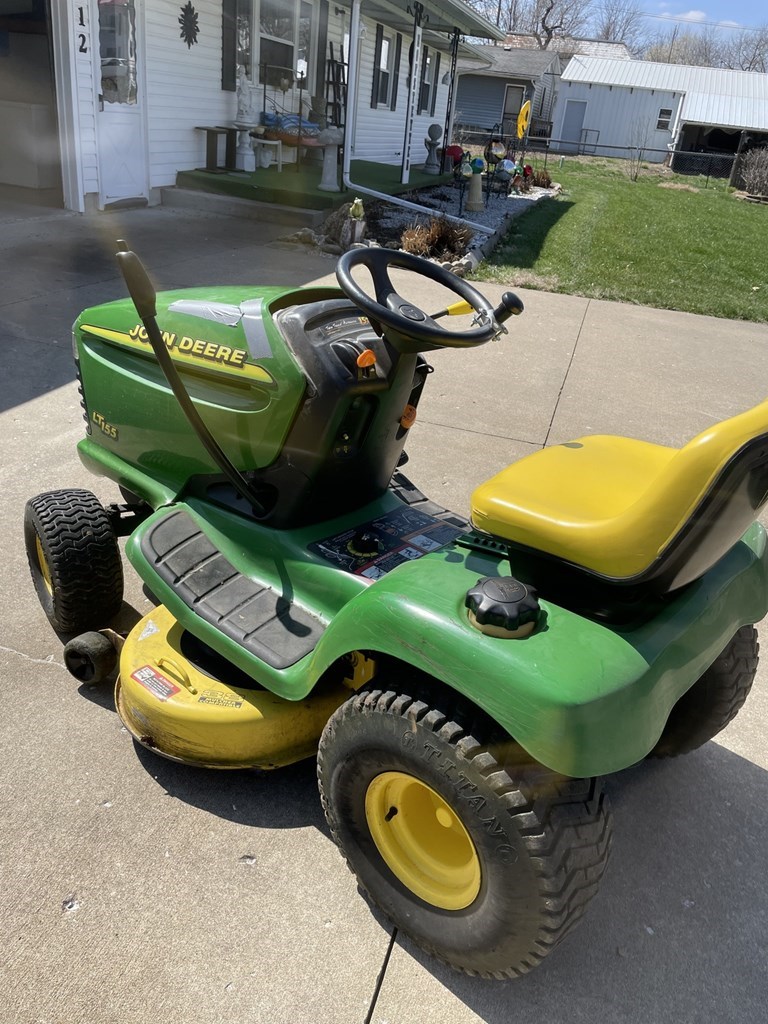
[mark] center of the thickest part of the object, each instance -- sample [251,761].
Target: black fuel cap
[502,606]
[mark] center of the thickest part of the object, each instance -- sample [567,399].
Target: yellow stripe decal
[195,351]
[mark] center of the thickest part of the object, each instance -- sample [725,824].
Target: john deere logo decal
[196,351]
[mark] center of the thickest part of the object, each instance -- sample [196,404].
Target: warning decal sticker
[373,549]
[220,699]
[155,682]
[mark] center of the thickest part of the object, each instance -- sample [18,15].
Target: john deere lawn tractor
[465,681]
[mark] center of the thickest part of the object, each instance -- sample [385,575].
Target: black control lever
[510,305]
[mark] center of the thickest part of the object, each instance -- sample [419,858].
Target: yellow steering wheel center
[422,840]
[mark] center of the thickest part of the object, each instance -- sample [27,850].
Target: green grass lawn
[684,247]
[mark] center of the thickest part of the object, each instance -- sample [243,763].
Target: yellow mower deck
[180,711]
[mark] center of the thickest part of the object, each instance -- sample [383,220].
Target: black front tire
[714,700]
[542,840]
[74,559]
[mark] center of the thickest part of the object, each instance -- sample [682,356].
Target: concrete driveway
[137,890]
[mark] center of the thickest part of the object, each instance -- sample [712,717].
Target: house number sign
[82,31]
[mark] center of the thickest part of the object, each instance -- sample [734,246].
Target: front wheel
[484,858]
[74,559]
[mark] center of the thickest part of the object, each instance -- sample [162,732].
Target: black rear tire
[541,840]
[714,700]
[74,560]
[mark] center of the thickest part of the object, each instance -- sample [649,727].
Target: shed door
[120,126]
[573,122]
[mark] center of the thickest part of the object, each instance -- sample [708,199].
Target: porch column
[448,129]
[414,87]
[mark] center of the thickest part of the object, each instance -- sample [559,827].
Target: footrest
[253,615]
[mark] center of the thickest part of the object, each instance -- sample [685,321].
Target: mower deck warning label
[155,682]
[375,548]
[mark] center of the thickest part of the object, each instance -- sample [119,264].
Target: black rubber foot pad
[253,615]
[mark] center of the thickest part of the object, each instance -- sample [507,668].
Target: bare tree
[702,48]
[549,19]
[545,20]
[639,130]
[747,50]
[621,21]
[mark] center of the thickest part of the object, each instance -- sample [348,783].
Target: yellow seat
[619,507]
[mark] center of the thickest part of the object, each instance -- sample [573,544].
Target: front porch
[297,186]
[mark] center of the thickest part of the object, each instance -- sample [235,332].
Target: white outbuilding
[609,107]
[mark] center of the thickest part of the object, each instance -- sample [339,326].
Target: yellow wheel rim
[43,563]
[422,840]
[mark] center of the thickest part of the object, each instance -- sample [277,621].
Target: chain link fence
[707,165]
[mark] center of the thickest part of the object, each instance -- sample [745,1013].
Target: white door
[573,122]
[120,118]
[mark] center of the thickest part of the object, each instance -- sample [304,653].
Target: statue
[432,166]
[244,97]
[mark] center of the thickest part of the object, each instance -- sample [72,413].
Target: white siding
[85,118]
[379,131]
[183,88]
[617,113]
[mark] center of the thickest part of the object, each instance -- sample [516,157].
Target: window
[285,44]
[430,70]
[385,70]
[664,119]
[386,66]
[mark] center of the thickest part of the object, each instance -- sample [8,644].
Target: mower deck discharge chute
[465,683]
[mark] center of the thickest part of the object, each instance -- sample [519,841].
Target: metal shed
[613,105]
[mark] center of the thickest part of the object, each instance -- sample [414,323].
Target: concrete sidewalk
[135,889]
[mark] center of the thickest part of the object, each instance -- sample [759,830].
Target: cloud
[694,16]
[729,24]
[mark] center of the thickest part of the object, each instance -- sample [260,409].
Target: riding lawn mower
[465,682]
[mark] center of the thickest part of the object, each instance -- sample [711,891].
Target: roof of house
[442,17]
[569,45]
[515,63]
[712,96]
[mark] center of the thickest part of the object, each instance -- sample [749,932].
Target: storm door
[119,118]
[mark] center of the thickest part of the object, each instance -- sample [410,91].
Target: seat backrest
[714,489]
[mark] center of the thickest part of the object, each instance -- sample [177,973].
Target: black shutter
[229,45]
[435,83]
[376,63]
[396,71]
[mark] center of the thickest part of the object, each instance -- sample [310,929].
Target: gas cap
[502,606]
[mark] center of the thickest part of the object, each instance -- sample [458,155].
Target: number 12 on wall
[82,39]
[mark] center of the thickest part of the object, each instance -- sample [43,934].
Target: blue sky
[747,13]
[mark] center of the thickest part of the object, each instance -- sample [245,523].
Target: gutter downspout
[352,92]
[677,128]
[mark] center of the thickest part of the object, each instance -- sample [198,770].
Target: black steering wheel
[407,322]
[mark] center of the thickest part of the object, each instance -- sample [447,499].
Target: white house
[605,106]
[102,98]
